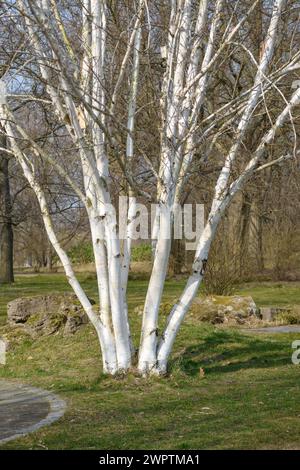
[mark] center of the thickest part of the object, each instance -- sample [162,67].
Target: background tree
[6,230]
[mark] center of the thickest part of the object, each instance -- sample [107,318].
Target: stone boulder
[46,314]
[233,310]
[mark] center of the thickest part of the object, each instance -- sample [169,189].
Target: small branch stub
[163,52]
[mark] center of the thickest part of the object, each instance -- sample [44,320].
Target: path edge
[57,410]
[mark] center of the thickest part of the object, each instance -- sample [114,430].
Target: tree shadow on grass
[228,351]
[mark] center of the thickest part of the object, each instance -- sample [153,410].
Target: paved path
[275,329]
[25,409]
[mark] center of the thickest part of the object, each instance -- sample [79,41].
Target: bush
[291,317]
[222,273]
[220,278]
[141,252]
[81,253]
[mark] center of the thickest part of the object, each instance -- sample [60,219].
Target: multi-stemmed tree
[87,58]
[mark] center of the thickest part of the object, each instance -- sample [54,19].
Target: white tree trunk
[149,333]
[110,364]
[181,308]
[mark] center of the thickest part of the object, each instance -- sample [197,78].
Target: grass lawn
[247,398]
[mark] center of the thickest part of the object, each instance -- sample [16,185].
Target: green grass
[247,398]
[272,293]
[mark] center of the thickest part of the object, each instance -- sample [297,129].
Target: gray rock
[225,309]
[216,309]
[47,314]
[19,310]
[74,322]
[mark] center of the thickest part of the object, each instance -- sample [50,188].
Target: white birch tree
[73,65]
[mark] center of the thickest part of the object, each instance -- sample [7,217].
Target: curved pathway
[274,329]
[24,409]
